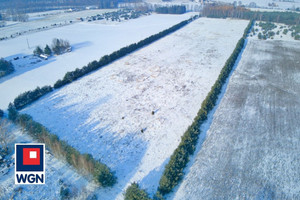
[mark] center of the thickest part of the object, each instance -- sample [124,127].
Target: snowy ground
[264,3]
[90,41]
[58,174]
[104,113]
[252,147]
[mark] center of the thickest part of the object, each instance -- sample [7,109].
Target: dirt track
[252,150]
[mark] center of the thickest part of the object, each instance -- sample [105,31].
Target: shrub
[133,192]
[47,50]
[12,112]
[271,33]
[60,46]
[38,51]
[267,26]
[1,113]
[64,193]
[158,196]
[6,67]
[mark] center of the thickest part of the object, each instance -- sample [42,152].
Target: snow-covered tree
[38,51]
[60,46]
[47,50]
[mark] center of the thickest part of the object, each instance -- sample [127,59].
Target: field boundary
[84,163]
[174,170]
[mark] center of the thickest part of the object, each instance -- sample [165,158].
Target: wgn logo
[30,164]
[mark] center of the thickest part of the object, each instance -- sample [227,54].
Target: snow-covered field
[90,41]
[58,174]
[252,147]
[132,113]
[264,3]
[46,19]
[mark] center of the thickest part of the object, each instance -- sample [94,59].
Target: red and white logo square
[31,156]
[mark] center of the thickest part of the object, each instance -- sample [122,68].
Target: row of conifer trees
[82,162]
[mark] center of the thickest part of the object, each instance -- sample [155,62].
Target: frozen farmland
[132,113]
[252,148]
[89,41]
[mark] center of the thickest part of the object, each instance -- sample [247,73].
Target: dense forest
[43,5]
[223,11]
[171,9]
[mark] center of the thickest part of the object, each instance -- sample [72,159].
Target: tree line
[133,192]
[82,162]
[15,15]
[26,6]
[224,11]
[43,5]
[173,172]
[175,9]
[28,97]
[38,51]
[59,46]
